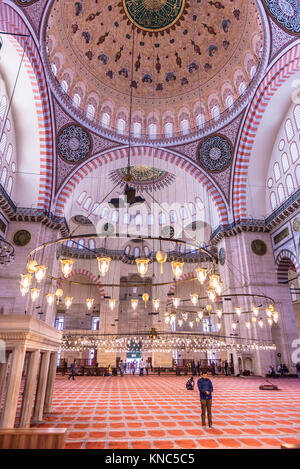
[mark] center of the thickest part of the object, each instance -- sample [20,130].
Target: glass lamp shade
[25,281]
[219,313]
[261,323]
[194,299]
[255,311]
[270,321]
[184,316]
[156,303]
[211,295]
[31,266]
[176,302]
[234,326]
[219,325]
[248,324]
[134,303]
[59,293]
[238,311]
[214,280]
[50,298]
[161,258]
[177,268]
[66,266]
[89,303]
[201,274]
[68,301]
[145,298]
[103,265]
[219,288]
[40,272]
[24,290]
[191,324]
[272,308]
[142,266]
[275,316]
[167,320]
[172,318]
[35,293]
[197,320]
[269,313]
[112,303]
[180,322]
[253,319]
[200,314]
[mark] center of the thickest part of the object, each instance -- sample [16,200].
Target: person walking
[298,369]
[193,369]
[205,388]
[142,366]
[147,367]
[122,368]
[73,370]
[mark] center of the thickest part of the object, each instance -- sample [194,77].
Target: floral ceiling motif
[143,177]
[74,143]
[215,153]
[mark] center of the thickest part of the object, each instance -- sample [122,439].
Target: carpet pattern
[154,412]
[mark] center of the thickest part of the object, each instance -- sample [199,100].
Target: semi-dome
[181,64]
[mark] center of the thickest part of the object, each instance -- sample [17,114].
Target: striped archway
[136,153]
[280,72]
[11,22]
[189,275]
[285,261]
[92,277]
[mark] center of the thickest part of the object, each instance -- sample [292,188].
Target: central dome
[154,15]
[172,61]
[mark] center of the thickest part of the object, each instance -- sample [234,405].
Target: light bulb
[25,281]
[24,291]
[142,266]
[238,311]
[103,265]
[269,313]
[68,301]
[253,319]
[180,322]
[275,316]
[214,280]
[211,295]
[145,298]
[35,293]
[40,272]
[219,325]
[201,274]
[134,303]
[248,324]
[219,313]
[194,299]
[50,298]
[255,311]
[200,314]
[176,302]
[270,321]
[219,288]
[191,324]
[89,303]
[66,266]
[234,326]
[260,323]
[177,268]
[156,303]
[112,303]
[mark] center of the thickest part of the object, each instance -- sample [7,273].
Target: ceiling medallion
[215,153]
[259,247]
[74,143]
[153,15]
[286,13]
[143,177]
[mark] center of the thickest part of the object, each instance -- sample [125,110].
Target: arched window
[121,126]
[146,251]
[242,88]
[192,208]
[3,143]
[13,167]
[8,125]
[252,71]
[54,69]
[229,101]
[289,129]
[297,172]
[200,120]
[9,153]
[70,243]
[173,216]
[150,219]
[87,203]
[285,162]
[270,183]
[289,184]
[293,292]
[115,216]
[199,203]
[277,172]
[138,220]
[182,213]
[105,120]
[136,252]
[92,244]
[95,209]
[76,100]
[162,218]
[64,86]
[297,116]
[3,177]
[273,200]
[81,198]
[137,129]
[9,186]
[104,212]
[281,193]
[169,129]
[184,126]
[127,250]
[81,244]
[294,152]
[3,106]
[90,111]
[182,248]
[215,113]
[126,218]
[152,130]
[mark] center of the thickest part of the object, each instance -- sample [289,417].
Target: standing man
[226,367]
[147,367]
[205,388]
[73,370]
[121,368]
[142,366]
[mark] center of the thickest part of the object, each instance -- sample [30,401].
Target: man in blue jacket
[205,388]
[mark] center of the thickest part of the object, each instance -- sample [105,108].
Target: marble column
[3,374]
[50,383]
[29,389]
[13,388]
[41,387]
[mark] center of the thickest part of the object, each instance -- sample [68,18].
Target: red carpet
[158,412]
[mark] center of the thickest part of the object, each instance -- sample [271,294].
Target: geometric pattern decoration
[215,153]
[143,177]
[11,22]
[74,143]
[157,412]
[286,66]
[285,261]
[140,152]
[91,276]
[286,13]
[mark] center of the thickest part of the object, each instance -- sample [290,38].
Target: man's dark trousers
[206,406]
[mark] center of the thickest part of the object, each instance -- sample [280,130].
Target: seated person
[190,384]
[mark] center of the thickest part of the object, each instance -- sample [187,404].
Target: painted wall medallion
[296,224]
[259,247]
[286,13]
[21,238]
[215,153]
[222,256]
[74,143]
